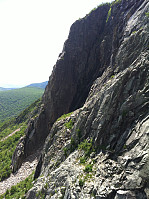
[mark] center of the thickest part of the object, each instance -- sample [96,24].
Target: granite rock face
[92,46]
[101,149]
[119,161]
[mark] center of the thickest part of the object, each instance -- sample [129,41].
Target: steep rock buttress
[103,68]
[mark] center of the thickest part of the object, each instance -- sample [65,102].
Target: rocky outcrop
[91,48]
[101,149]
[119,163]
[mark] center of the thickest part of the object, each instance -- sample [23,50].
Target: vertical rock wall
[95,47]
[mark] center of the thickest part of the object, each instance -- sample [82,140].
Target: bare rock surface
[96,43]
[101,149]
[115,119]
[120,165]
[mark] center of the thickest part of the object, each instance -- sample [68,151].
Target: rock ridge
[101,149]
[90,49]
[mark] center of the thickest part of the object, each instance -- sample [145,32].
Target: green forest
[12,102]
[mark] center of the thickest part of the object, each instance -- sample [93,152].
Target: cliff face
[102,75]
[90,49]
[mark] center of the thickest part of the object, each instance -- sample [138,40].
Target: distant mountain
[35,85]
[39,85]
[6,89]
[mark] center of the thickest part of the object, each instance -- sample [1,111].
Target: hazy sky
[32,34]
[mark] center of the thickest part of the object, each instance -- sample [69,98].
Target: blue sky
[32,34]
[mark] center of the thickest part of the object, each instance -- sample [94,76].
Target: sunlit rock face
[101,149]
[92,47]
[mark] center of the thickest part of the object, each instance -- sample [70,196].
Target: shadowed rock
[102,72]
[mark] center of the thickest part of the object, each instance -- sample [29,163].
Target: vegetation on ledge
[64,116]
